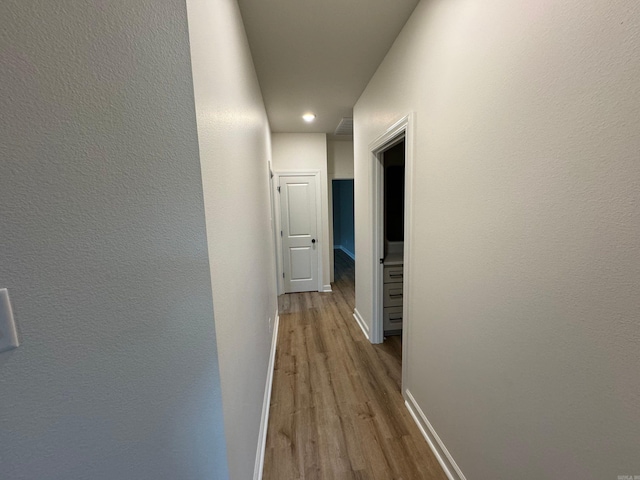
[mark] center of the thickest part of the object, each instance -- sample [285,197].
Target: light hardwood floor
[336,408]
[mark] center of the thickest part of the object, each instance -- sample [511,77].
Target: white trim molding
[445,459]
[327,288]
[361,323]
[402,129]
[266,404]
[349,254]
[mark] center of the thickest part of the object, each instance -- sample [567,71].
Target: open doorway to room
[391,156]
[343,219]
[343,228]
[392,241]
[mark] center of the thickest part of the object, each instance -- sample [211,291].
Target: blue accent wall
[343,220]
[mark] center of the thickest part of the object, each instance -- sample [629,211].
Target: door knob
[313,240]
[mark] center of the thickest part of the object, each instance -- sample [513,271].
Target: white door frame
[280,257]
[274,227]
[403,128]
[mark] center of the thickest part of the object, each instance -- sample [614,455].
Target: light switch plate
[8,334]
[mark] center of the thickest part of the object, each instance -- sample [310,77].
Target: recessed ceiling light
[309,117]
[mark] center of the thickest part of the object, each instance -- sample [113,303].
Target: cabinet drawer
[392,319]
[392,295]
[393,274]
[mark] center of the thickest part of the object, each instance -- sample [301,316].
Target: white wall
[233,132]
[103,247]
[340,159]
[307,151]
[523,336]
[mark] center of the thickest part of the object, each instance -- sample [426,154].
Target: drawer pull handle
[397,275]
[395,319]
[398,295]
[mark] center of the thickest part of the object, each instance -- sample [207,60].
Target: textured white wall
[233,133]
[523,348]
[340,158]
[307,151]
[103,247]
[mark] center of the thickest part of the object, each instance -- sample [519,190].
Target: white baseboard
[327,288]
[363,325]
[447,462]
[347,252]
[264,422]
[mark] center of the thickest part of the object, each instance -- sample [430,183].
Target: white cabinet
[392,299]
[392,294]
[392,319]
[393,274]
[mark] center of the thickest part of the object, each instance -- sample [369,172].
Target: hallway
[336,407]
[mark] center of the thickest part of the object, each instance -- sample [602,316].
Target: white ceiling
[318,55]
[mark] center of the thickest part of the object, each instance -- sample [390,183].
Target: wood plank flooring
[336,408]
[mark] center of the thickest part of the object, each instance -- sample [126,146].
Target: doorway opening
[393,174]
[343,218]
[391,156]
[343,236]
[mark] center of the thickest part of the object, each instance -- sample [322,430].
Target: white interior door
[299,232]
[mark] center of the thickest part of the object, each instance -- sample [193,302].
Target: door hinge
[280,232]
[282,274]
[278,189]
[381,261]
